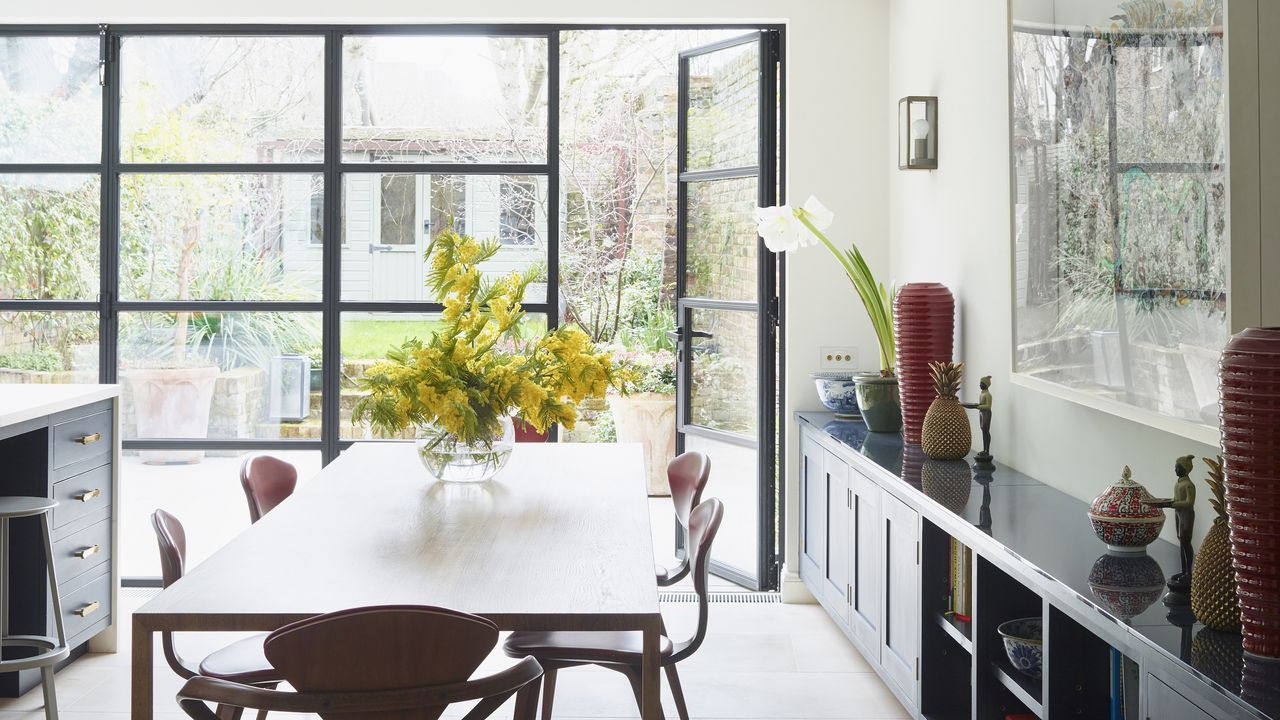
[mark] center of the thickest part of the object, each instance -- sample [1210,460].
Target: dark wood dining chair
[622,651]
[267,481]
[687,475]
[388,663]
[242,661]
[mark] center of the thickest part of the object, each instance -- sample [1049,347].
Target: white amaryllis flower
[783,230]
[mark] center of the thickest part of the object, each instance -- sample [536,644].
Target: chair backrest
[379,649]
[704,523]
[267,481]
[172,539]
[687,475]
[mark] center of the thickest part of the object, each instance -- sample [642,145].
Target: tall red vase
[923,328]
[1250,405]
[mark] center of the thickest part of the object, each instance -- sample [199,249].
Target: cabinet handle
[88,439]
[87,552]
[87,496]
[88,610]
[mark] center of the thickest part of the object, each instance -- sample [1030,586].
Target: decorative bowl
[1022,643]
[1123,517]
[837,392]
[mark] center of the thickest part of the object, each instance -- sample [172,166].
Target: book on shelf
[960,585]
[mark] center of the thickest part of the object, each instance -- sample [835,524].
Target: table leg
[143,672]
[650,676]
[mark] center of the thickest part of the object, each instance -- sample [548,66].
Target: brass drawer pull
[87,496]
[88,610]
[87,439]
[87,552]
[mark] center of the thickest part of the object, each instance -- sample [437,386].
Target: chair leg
[527,702]
[548,691]
[50,695]
[673,679]
[227,712]
[633,674]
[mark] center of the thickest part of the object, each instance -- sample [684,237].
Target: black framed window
[206,206]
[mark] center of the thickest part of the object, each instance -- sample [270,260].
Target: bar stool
[52,649]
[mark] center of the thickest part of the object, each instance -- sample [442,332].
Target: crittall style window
[231,221]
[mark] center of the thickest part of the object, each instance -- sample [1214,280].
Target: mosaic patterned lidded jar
[1123,517]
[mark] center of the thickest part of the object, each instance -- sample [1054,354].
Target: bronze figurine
[1183,503]
[983,406]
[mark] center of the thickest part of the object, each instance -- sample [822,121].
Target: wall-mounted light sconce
[918,133]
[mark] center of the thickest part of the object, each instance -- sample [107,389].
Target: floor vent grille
[749,598]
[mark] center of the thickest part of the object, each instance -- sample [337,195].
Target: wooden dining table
[559,540]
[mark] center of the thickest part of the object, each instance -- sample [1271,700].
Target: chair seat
[241,661]
[618,647]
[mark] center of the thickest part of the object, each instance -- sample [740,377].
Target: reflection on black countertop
[1051,530]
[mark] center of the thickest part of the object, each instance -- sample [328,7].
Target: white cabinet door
[836,587]
[812,513]
[865,525]
[900,636]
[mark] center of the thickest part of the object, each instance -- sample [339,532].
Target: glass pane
[721,241]
[724,108]
[205,496]
[737,472]
[366,338]
[444,99]
[219,237]
[48,347]
[1121,267]
[388,220]
[724,386]
[220,375]
[50,100]
[221,99]
[50,230]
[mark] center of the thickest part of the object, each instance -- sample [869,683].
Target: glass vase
[449,459]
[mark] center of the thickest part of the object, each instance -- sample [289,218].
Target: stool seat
[54,652]
[21,506]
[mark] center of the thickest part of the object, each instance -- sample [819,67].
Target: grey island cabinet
[62,441]
[920,561]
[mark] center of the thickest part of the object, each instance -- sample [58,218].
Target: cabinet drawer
[82,495]
[87,605]
[81,439]
[81,552]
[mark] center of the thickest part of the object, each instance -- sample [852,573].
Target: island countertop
[19,403]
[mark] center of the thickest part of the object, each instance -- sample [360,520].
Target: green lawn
[371,338]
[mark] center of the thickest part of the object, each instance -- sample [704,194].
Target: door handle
[89,439]
[87,610]
[87,552]
[378,248]
[87,496]
[679,334]
[700,334]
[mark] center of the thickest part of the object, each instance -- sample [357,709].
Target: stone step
[346,401]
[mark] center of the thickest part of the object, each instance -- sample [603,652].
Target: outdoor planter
[649,418]
[171,403]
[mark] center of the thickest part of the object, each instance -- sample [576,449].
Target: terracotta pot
[1250,405]
[171,403]
[923,328]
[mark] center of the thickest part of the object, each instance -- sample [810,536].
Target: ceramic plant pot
[1023,644]
[649,419]
[878,402]
[1249,378]
[923,328]
[1123,517]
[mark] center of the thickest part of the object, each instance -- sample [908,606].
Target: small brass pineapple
[1213,579]
[948,482]
[946,434]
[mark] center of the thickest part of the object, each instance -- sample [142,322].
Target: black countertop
[1050,530]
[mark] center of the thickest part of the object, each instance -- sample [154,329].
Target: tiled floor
[759,661]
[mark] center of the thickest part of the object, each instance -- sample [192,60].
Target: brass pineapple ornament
[948,482]
[945,434]
[1213,579]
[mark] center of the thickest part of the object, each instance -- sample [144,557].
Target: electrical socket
[837,358]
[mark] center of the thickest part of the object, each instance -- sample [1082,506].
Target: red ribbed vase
[1249,378]
[923,326]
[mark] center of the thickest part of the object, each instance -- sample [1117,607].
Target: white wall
[953,225]
[836,131]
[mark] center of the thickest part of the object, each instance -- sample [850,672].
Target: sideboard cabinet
[889,537]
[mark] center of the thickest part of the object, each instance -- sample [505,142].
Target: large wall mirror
[1120,204]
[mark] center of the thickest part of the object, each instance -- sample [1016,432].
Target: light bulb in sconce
[920,139]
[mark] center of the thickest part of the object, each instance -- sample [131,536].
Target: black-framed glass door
[727,292]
